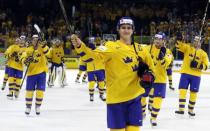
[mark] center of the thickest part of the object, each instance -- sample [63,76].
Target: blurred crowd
[95,18]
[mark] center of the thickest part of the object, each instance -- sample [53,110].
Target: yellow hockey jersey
[160,65]
[39,64]
[121,66]
[81,62]
[189,52]
[172,59]
[94,64]
[11,62]
[56,54]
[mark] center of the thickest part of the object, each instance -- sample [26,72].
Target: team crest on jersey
[135,67]
[197,58]
[38,55]
[118,47]
[58,54]
[191,55]
[128,59]
[155,63]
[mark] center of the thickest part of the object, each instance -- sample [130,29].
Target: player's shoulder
[203,52]
[146,47]
[140,47]
[29,49]
[106,47]
[13,46]
[110,43]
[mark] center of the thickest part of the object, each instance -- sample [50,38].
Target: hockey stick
[39,34]
[204,18]
[202,25]
[201,30]
[65,16]
[66,19]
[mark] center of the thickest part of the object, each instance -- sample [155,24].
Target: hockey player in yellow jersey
[6,70]
[15,66]
[56,57]
[169,71]
[82,68]
[162,59]
[121,62]
[35,58]
[95,72]
[195,60]
[6,76]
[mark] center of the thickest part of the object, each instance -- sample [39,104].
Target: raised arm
[182,47]
[205,62]
[87,54]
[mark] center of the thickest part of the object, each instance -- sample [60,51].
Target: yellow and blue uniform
[15,68]
[6,76]
[189,52]
[169,71]
[36,75]
[95,72]
[56,56]
[82,67]
[159,86]
[122,82]
[190,76]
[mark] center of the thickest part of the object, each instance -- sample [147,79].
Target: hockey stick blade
[37,28]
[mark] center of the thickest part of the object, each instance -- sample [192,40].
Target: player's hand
[202,67]
[17,59]
[28,60]
[76,41]
[143,67]
[147,79]
[194,64]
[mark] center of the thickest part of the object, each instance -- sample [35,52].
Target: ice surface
[69,109]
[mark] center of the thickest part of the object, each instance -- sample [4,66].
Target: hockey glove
[162,53]
[147,79]
[17,59]
[194,64]
[28,60]
[202,67]
[142,68]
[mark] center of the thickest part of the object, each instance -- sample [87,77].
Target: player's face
[196,43]
[17,42]
[34,41]
[22,42]
[57,44]
[125,31]
[159,42]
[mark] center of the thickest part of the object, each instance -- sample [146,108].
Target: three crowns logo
[128,59]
